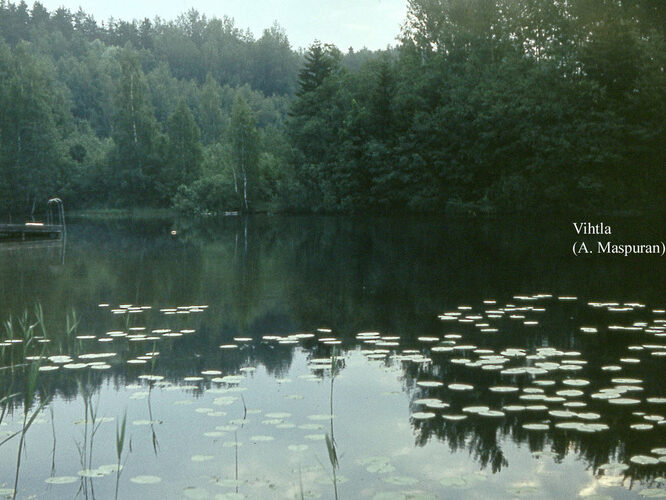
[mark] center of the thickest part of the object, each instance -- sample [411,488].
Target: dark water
[286,298]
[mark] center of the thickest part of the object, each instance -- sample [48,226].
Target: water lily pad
[429,383]
[576,382]
[48,368]
[536,408]
[570,393]
[310,427]
[589,416]
[380,467]
[575,404]
[653,493]
[422,415]
[109,468]
[232,495]
[74,366]
[433,403]
[228,483]
[232,444]
[146,422]
[322,416]
[457,482]
[475,409]
[259,438]
[529,489]
[461,387]
[491,413]
[225,400]
[146,479]
[401,480]
[641,427]
[624,401]
[226,428]
[643,460]
[389,495]
[215,434]
[532,397]
[562,413]
[278,415]
[581,426]
[613,468]
[425,401]
[61,480]
[91,473]
[536,427]
[195,493]
[503,388]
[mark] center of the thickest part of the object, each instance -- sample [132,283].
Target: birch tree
[245,147]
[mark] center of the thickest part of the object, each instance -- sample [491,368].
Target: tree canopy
[483,106]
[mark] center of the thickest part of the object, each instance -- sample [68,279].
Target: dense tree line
[139,113]
[484,105]
[491,105]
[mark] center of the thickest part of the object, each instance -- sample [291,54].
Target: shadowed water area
[315,357]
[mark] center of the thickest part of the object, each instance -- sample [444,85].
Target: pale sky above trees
[357,23]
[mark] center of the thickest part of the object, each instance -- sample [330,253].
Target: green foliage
[486,105]
[31,157]
[244,149]
[511,106]
[207,196]
[211,117]
[136,159]
[184,154]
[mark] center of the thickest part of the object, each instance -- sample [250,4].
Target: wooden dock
[30,232]
[53,229]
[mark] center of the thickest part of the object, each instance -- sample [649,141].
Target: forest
[481,107]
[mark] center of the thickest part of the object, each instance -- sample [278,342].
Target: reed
[29,392]
[151,383]
[90,427]
[120,445]
[330,439]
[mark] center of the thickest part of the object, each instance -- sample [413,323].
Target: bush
[208,196]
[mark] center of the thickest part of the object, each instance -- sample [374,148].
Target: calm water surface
[286,357]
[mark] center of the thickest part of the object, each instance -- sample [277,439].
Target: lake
[333,357]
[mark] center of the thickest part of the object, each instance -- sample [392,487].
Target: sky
[357,23]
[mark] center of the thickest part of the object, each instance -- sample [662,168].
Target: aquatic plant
[330,439]
[151,383]
[53,451]
[29,393]
[5,402]
[20,332]
[39,315]
[91,425]
[120,445]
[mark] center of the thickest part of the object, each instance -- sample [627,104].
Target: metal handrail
[60,208]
